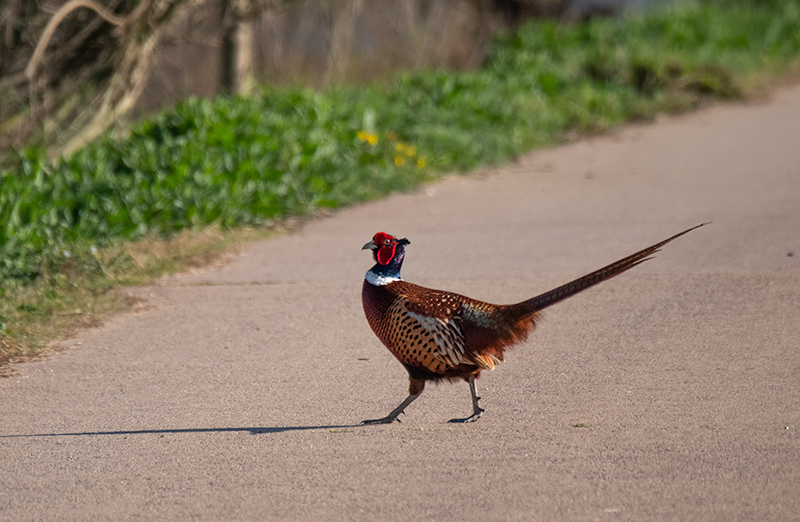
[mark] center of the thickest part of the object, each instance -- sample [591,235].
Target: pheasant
[441,335]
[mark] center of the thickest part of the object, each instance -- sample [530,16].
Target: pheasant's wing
[440,328]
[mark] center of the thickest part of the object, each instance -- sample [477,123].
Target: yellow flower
[409,150]
[372,139]
[399,161]
[420,163]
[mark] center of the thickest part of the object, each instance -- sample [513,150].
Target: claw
[395,412]
[471,418]
[384,420]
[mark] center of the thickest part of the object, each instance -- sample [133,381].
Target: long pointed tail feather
[598,276]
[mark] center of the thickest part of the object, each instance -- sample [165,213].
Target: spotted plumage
[425,328]
[441,335]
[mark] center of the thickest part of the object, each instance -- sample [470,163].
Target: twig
[67,8]
[15,79]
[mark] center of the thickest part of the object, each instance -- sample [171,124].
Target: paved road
[669,393]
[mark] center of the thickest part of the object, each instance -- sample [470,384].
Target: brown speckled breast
[403,335]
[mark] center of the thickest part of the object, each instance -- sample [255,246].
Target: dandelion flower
[372,139]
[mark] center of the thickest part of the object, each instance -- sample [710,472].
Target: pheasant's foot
[472,418]
[384,420]
[395,412]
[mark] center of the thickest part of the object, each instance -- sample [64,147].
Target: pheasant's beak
[369,246]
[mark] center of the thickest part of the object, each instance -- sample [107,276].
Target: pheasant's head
[385,247]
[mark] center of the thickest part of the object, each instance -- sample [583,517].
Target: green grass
[247,162]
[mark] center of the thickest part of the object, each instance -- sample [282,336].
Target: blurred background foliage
[71,68]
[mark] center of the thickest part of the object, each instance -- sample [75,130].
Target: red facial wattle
[386,247]
[385,254]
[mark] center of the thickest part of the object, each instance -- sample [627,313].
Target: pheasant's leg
[473,389]
[415,387]
[476,410]
[395,412]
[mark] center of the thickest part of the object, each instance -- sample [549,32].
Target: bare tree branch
[94,76]
[56,20]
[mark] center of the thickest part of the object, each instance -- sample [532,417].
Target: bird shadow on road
[253,431]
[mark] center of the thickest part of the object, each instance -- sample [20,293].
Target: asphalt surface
[669,393]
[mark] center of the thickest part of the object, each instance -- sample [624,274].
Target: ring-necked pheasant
[441,335]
